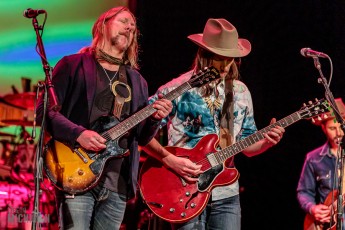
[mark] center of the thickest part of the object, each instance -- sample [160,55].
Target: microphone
[307,52]
[30,13]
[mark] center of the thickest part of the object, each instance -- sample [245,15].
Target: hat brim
[244,47]
[323,120]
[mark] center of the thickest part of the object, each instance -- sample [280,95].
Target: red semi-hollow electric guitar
[171,198]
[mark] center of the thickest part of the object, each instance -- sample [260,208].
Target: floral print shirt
[197,112]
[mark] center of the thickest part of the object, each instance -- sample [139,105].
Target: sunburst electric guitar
[77,170]
[171,198]
[311,224]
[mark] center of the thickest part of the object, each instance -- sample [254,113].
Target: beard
[121,42]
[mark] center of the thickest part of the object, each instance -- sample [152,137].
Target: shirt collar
[326,150]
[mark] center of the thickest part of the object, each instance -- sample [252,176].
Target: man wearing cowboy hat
[223,107]
[318,178]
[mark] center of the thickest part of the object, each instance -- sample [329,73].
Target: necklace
[110,79]
[212,103]
[212,98]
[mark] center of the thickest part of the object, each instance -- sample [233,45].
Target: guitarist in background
[223,107]
[102,80]
[318,177]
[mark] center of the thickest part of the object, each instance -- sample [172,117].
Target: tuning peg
[312,120]
[310,102]
[304,105]
[319,118]
[316,99]
[325,116]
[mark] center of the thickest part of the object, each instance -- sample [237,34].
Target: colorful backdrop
[67,29]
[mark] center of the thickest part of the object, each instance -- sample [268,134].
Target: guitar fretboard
[123,127]
[232,150]
[199,79]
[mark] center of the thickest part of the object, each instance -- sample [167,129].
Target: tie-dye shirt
[192,118]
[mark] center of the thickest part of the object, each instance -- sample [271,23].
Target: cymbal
[2,134]
[18,122]
[22,100]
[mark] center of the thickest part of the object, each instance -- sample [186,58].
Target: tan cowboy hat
[330,115]
[221,37]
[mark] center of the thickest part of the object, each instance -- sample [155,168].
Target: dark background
[280,80]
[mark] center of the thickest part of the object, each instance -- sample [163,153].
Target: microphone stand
[340,120]
[53,105]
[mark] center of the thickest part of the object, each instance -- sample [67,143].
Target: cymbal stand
[38,177]
[341,121]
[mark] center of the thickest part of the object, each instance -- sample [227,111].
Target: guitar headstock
[204,76]
[315,109]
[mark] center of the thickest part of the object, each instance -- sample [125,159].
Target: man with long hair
[100,82]
[222,107]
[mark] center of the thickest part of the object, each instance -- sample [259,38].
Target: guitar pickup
[80,155]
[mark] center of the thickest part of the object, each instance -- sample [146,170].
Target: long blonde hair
[131,54]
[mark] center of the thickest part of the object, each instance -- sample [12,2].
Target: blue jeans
[222,214]
[97,209]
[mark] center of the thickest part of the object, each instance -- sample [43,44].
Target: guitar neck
[123,127]
[232,150]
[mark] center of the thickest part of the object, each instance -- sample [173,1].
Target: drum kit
[18,146]
[17,164]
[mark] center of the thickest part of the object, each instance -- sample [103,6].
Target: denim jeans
[222,214]
[97,209]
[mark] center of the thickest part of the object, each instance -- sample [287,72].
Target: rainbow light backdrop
[67,29]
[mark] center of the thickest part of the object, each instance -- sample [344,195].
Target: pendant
[113,89]
[212,103]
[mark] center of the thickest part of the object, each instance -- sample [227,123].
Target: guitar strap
[119,99]
[227,120]
[227,117]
